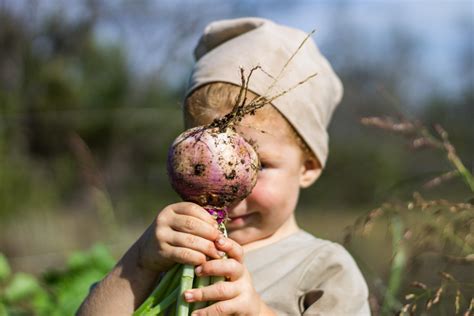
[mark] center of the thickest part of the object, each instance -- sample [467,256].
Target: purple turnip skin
[212,167]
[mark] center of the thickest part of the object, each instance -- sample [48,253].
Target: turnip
[212,167]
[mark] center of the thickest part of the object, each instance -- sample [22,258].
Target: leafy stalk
[158,293]
[201,282]
[176,280]
[164,304]
[182,307]
[398,265]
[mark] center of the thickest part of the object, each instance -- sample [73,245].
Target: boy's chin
[246,235]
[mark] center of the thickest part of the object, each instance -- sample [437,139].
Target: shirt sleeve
[334,285]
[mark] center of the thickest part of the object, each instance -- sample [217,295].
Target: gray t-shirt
[304,275]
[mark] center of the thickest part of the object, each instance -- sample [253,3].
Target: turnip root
[212,167]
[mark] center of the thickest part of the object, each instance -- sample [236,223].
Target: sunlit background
[90,95]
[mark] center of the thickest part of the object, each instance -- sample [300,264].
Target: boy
[286,271]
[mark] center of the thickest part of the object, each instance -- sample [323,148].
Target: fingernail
[216,226]
[188,296]
[198,270]
[195,314]
[221,254]
[221,241]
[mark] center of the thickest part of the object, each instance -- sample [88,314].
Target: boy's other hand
[236,296]
[183,233]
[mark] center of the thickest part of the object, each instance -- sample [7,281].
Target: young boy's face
[284,166]
[273,199]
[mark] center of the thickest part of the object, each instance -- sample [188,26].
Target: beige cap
[227,45]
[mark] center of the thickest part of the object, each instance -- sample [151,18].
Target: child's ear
[310,172]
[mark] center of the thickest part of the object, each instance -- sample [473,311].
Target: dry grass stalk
[433,226]
[457,302]
[421,138]
[470,310]
[389,124]
[438,294]
[419,285]
[441,179]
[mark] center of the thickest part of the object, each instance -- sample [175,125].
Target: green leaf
[5,270]
[102,258]
[78,260]
[98,257]
[3,310]
[43,304]
[71,285]
[22,286]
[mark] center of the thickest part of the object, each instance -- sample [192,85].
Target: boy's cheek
[264,194]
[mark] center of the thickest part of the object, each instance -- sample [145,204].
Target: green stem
[397,268]
[171,311]
[158,293]
[467,176]
[164,304]
[200,282]
[182,307]
[176,280]
[215,279]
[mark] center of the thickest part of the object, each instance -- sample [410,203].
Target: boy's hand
[237,296]
[182,232]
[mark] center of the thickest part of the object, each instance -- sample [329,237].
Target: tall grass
[432,239]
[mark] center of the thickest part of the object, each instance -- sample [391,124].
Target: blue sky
[439,27]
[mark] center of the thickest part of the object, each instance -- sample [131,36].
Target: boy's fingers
[191,209]
[229,268]
[194,242]
[229,246]
[186,256]
[220,308]
[195,226]
[220,291]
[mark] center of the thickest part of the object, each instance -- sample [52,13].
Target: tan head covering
[247,42]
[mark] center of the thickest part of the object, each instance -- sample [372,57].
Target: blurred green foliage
[56,292]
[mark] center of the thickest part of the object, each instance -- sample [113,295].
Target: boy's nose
[237,206]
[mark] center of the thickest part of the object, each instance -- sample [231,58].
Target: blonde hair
[216,99]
